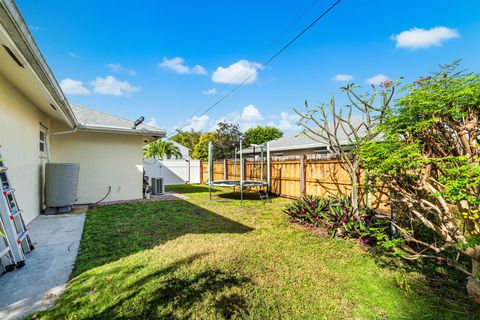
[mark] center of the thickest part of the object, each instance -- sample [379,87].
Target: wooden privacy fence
[294,177]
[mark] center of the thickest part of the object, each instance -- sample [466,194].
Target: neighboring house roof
[183,150]
[294,142]
[93,120]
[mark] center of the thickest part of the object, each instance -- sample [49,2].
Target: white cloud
[73,87]
[342,77]
[418,38]
[34,28]
[118,68]
[251,114]
[72,54]
[198,123]
[210,92]
[152,122]
[112,86]
[237,72]
[198,69]
[288,122]
[177,64]
[377,79]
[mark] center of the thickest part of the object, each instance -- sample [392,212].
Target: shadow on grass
[166,293]
[247,195]
[116,231]
[444,282]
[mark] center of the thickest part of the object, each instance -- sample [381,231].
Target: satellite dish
[138,122]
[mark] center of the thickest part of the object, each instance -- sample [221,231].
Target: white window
[279,154]
[42,141]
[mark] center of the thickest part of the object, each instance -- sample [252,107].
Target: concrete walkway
[35,286]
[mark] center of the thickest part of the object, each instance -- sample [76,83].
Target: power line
[276,38]
[285,47]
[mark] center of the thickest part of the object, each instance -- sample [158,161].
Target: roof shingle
[90,118]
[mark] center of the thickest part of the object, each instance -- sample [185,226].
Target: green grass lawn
[218,259]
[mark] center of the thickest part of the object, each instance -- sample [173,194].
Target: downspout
[56,134]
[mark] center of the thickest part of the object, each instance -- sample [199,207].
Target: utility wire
[277,37]
[285,47]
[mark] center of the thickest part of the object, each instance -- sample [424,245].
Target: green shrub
[307,209]
[337,215]
[341,218]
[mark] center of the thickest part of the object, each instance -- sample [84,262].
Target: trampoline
[236,183]
[261,186]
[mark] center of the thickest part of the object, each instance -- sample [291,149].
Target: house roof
[93,120]
[75,116]
[183,150]
[294,142]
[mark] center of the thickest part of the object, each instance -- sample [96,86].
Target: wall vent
[13,56]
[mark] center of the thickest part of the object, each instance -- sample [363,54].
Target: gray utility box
[61,184]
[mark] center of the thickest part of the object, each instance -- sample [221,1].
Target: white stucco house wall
[38,124]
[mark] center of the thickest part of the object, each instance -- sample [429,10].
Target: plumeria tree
[429,158]
[344,128]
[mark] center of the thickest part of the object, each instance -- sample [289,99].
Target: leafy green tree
[187,138]
[228,137]
[429,158]
[224,139]
[161,149]
[262,134]
[200,151]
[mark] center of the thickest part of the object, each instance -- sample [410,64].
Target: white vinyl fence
[173,172]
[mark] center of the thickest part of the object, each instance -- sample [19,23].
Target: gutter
[117,129]
[56,134]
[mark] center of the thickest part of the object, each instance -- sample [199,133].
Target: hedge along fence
[296,176]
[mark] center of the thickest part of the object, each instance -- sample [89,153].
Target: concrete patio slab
[48,267]
[167,196]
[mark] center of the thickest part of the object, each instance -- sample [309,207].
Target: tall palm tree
[161,149]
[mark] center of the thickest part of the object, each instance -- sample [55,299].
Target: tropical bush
[343,219]
[337,215]
[308,209]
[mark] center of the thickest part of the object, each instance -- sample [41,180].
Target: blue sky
[161,59]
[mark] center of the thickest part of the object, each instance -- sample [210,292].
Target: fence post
[269,169]
[225,169]
[303,173]
[201,171]
[244,171]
